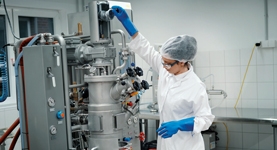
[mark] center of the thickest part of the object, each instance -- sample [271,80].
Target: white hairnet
[182,48]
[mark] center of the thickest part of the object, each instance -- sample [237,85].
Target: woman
[183,102]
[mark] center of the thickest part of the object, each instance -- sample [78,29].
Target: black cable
[128,110]
[7,45]
[9,20]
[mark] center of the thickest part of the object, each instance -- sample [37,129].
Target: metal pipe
[78,85]
[61,41]
[266,19]
[77,127]
[122,37]
[93,22]
[119,67]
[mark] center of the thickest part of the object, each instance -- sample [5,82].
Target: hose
[5,135]
[32,40]
[15,138]
[240,91]
[5,77]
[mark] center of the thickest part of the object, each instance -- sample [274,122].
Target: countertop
[243,115]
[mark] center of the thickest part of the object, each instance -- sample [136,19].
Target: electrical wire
[244,76]
[9,20]
[10,129]
[15,138]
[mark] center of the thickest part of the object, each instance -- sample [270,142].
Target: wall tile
[232,58]
[11,115]
[275,90]
[217,102]
[265,128]
[249,91]
[231,103]
[235,140]
[250,141]
[250,128]
[275,55]
[265,91]
[266,104]
[2,118]
[265,57]
[265,142]
[232,74]
[251,74]
[245,55]
[234,127]
[249,103]
[275,71]
[202,59]
[232,90]
[265,73]
[203,73]
[219,74]
[216,58]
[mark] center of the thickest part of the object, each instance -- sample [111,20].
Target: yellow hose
[244,76]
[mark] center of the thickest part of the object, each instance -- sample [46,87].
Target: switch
[60,115]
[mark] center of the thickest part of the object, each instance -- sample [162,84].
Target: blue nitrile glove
[167,129]
[122,16]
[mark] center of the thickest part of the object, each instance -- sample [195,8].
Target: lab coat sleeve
[202,111]
[142,47]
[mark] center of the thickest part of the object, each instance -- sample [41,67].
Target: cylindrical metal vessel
[105,115]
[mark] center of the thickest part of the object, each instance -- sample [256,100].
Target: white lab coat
[179,97]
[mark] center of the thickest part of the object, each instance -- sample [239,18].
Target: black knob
[145,84]
[139,71]
[123,83]
[130,72]
[136,86]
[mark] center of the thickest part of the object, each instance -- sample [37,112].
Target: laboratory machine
[79,91]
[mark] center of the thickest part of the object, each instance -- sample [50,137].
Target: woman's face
[173,66]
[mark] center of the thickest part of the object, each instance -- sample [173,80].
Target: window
[33,25]
[2,31]
[3,41]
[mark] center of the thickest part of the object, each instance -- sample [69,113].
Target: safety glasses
[168,66]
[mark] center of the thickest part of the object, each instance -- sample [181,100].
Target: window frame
[14,13]
[11,100]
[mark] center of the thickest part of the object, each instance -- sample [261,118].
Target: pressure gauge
[129,121]
[51,102]
[135,119]
[53,130]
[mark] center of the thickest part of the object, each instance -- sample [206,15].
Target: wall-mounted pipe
[266,18]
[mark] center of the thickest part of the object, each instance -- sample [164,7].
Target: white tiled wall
[258,91]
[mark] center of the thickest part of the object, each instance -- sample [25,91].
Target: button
[60,115]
